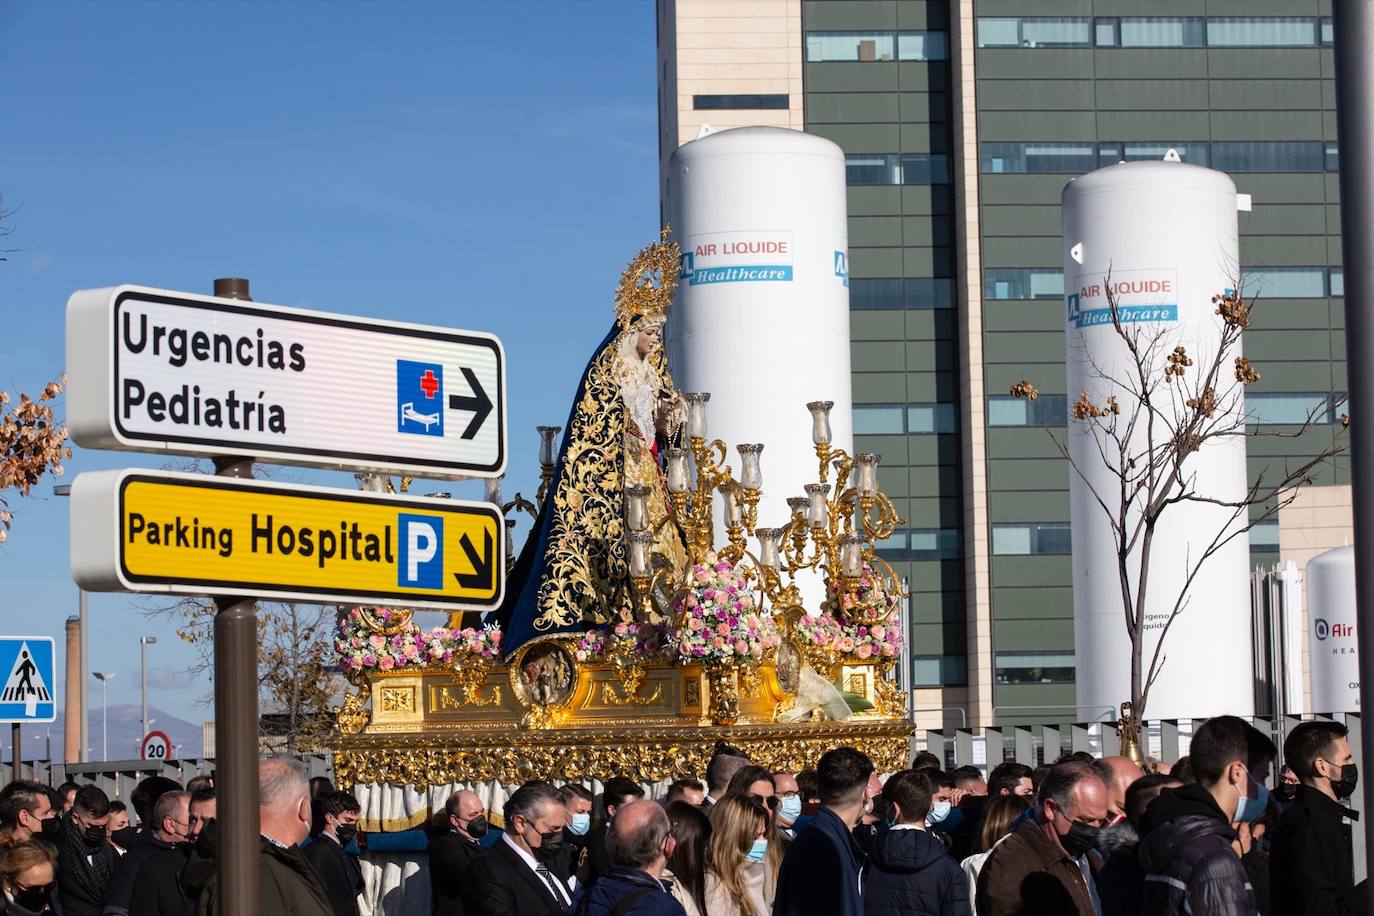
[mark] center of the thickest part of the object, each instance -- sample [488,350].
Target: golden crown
[646,287]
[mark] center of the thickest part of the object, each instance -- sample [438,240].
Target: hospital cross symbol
[429,384]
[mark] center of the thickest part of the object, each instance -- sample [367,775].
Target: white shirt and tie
[562,891]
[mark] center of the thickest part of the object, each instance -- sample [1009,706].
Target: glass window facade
[900,419]
[1033,667]
[1269,156]
[1023,283]
[1288,408]
[939,670]
[876,46]
[1265,535]
[920,544]
[1031,539]
[896,168]
[1051,409]
[1031,158]
[1194,151]
[1337,281]
[901,293]
[1155,32]
[720,102]
[1285,282]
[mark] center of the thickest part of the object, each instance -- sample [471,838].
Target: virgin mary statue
[573,572]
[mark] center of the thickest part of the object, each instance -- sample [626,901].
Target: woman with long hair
[757,783]
[736,872]
[27,875]
[686,871]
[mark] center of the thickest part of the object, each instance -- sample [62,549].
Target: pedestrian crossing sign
[29,692]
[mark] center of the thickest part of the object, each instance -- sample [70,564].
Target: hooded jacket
[1189,864]
[910,874]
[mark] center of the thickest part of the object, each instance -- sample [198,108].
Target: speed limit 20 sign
[156,746]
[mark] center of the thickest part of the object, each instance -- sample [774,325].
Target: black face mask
[125,837]
[1345,786]
[1285,791]
[550,845]
[48,828]
[477,827]
[1079,839]
[346,833]
[94,836]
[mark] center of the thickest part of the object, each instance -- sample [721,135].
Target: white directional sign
[154,370]
[27,664]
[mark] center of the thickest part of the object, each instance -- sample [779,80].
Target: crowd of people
[1082,836]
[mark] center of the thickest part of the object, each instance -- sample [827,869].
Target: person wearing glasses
[28,871]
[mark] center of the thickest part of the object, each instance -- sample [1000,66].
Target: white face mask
[580,824]
[938,812]
[790,807]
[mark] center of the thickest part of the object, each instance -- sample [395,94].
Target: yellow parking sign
[192,534]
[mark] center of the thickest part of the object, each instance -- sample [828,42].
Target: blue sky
[486,166]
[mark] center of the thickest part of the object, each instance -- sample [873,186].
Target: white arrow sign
[154,370]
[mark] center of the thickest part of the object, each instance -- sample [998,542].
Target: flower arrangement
[361,648]
[870,601]
[860,640]
[719,620]
[643,640]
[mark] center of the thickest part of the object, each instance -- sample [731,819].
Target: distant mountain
[125,737]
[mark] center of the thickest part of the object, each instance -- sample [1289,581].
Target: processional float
[635,634]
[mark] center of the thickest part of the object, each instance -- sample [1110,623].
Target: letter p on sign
[422,551]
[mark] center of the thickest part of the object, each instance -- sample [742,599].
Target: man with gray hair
[1042,867]
[515,877]
[287,884]
[640,841]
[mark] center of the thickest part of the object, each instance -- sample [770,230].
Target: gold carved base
[642,753]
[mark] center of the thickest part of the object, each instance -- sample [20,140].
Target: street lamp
[65,489]
[144,642]
[104,677]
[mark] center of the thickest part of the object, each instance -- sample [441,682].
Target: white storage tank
[761,319]
[1166,233]
[1334,660]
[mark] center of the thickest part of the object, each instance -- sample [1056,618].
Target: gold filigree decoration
[398,699]
[648,283]
[644,754]
[631,694]
[722,683]
[470,673]
[397,623]
[353,716]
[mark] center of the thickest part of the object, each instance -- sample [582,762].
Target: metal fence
[118,777]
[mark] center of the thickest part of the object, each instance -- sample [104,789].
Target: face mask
[758,850]
[790,807]
[1249,810]
[49,828]
[580,824]
[477,827]
[938,812]
[1285,792]
[346,833]
[125,837]
[1079,839]
[1345,786]
[94,836]
[550,845]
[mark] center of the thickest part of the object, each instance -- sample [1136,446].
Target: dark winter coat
[288,885]
[910,874]
[83,873]
[1121,880]
[449,858]
[619,883]
[1310,860]
[1027,874]
[1189,864]
[160,891]
[821,872]
[338,872]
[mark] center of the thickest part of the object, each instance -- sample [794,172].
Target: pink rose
[386,663]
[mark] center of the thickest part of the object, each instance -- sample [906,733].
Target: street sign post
[161,371]
[156,745]
[189,534]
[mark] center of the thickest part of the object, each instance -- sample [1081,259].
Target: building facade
[961,121]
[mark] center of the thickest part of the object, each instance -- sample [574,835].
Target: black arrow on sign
[477,402]
[483,576]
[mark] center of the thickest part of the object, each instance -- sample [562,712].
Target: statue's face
[648,339]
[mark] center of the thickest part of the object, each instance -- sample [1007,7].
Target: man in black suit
[338,870]
[513,878]
[618,792]
[452,853]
